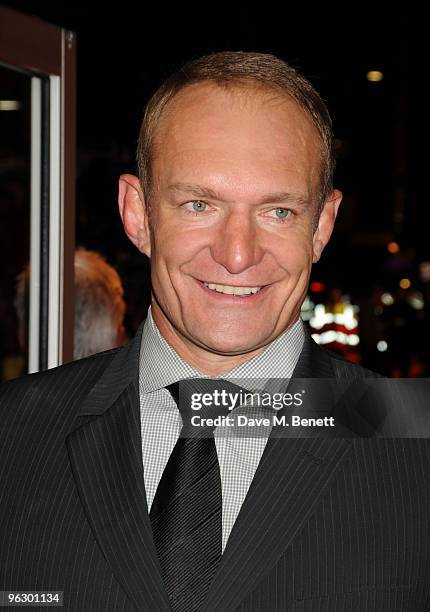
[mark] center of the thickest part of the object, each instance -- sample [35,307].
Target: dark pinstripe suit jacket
[328,524]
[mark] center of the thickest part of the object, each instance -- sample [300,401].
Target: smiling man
[106,493]
[239,209]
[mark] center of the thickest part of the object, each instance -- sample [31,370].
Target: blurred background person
[99,309]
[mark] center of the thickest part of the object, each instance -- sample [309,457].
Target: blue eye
[282,213]
[198,205]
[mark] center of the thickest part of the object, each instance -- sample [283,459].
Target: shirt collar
[160,365]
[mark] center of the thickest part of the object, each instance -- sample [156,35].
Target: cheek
[168,242]
[174,249]
[294,255]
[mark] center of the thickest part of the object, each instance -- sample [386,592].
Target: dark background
[125,51]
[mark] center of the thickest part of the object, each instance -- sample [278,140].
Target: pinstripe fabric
[366,546]
[45,539]
[330,525]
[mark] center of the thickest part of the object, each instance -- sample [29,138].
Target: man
[99,305]
[233,204]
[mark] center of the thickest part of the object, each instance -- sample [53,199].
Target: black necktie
[187,509]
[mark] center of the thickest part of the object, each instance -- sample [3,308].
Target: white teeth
[232,290]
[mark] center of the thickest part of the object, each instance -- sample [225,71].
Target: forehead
[247,130]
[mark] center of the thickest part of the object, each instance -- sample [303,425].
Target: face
[232,236]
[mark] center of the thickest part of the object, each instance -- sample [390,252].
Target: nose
[236,246]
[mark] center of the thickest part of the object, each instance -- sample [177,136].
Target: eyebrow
[278,197]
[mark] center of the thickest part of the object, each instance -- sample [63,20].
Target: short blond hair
[232,69]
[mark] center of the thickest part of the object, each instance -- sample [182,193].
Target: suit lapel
[292,476]
[105,454]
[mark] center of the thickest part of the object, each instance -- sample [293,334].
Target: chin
[229,344]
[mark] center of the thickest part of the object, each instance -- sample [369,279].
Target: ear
[133,212]
[120,337]
[326,223]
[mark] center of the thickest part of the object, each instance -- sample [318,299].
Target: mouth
[235,292]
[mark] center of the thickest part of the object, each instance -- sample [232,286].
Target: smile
[232,289]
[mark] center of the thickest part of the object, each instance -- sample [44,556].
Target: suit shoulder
[55,391]
[347,369]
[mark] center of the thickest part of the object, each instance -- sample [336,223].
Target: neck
[200,358]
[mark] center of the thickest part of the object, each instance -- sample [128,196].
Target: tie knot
[203,403]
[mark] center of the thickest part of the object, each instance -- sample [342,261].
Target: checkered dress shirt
[161,423]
